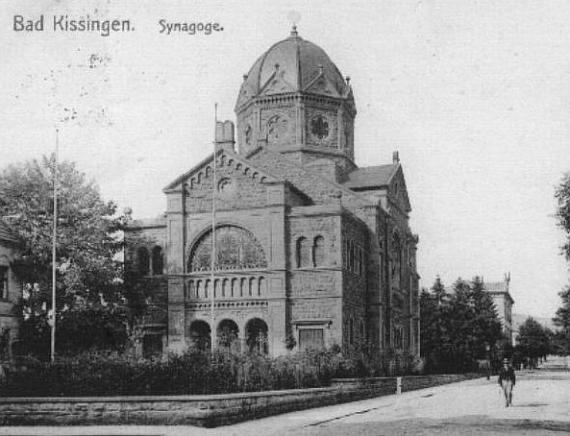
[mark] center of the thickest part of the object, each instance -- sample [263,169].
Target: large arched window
[236,248]
[303,252]
[319,251]
[157,260]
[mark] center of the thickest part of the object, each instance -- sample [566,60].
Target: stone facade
[499,292]
[311,250]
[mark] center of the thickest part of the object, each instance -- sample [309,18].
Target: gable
[322,85]
[195,178]
[398,192]
[277,84]
[238,184]
[370,178]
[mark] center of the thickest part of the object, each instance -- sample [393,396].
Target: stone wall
[201,410]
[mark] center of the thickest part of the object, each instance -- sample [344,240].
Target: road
[541,406]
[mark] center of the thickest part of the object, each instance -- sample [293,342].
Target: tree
[562,195]
[457,326]
[429,338]
[461,319]
[562,317]
[435,330]
[533,340]
[562,320]
[91,309]
[486,323]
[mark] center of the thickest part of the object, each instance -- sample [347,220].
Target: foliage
[562,320]
[91,299]
[534,340]
[457,327]
[562,317]
[195,372]
[562,195]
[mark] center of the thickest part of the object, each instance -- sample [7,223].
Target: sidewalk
[539,397]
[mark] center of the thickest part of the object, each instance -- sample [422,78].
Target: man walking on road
[507,380]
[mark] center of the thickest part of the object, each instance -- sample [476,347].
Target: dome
[293,65]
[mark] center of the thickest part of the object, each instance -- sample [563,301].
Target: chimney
[225,135]
[395,157]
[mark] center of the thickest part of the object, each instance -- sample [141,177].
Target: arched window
[200,335]
[207,289]
[225,292]
[199,289]
[303,253]
[235,287]
[236,248]
[319,251]
[251,286]
[248,134]
[228,335]
[243,287]
[261,286]
[396,255]
[157,260]
[143,259]
[256,336]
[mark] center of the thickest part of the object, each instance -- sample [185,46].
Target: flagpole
[53,250]
[213,260]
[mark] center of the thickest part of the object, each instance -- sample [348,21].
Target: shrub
[195,372]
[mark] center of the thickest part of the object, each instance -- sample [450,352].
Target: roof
[497,286]
[371,177]
[6,234]
[310,183]
[291,65]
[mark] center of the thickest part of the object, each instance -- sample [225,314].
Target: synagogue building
[310,249]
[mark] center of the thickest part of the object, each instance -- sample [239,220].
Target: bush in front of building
[99,373]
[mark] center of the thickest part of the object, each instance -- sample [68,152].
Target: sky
[473,94]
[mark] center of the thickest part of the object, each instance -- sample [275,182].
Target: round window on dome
[320,127]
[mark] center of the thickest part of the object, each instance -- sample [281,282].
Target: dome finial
[294,30]
[294,17]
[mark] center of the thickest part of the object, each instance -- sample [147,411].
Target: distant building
[499,291]
[10,290]
[311,249]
